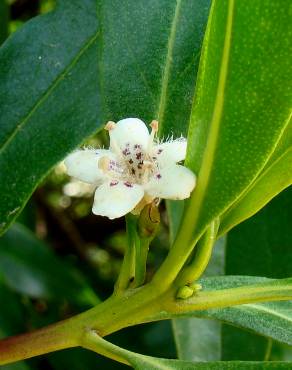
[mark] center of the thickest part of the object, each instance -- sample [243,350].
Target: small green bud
[188,291]
[185,292]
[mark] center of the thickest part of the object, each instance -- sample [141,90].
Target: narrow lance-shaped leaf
[48,97]
[149,58]
[242,103]
[276,176]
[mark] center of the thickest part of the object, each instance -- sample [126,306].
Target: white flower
[134,171]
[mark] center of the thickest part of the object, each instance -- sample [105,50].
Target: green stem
[147,228]
[141,261]
[191,230]
[94,342]
[127,273]
[51,338]
[136,306]
[205,246]
[277,290]
[176,259]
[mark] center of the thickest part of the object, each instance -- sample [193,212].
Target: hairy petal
[83,165]
[114,199]
[131,132]
[173,182]
[170,152]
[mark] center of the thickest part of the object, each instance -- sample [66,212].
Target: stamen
[154,126]
[110,126]
[147,166]
[103,164]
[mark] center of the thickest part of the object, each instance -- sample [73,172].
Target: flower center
[134,164]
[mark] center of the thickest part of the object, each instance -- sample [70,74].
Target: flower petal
[129,132]
[174,182]
[83,165]
[170,152]
[115,199]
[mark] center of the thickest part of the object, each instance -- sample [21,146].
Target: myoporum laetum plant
[216,79]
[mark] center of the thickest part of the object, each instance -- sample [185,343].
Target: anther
[154,126]
[103,164]
[110,126]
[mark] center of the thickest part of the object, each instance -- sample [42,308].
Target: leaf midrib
[168,63]
[19,126]
[196,202]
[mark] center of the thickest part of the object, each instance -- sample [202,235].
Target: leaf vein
[168,63]
[48,92]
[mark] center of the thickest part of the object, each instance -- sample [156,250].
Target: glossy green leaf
[276,176]
[31,268]
[242,102]
[48,97]
[262,244]
[150,53]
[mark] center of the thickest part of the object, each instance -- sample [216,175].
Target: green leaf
[152,363]
[238,344]
[150,53]
[272,320]
[276,176]
[197,339]
[242,104]
[260,245]
[48,98]
[138,361]
[30,267]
